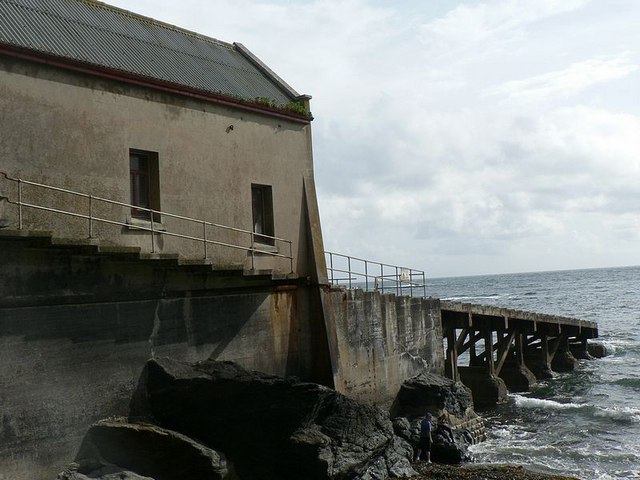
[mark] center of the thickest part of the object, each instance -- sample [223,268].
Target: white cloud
[565,83]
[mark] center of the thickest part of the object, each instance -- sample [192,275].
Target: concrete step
[77,245]
[93,246]
[34,237]
[120,253]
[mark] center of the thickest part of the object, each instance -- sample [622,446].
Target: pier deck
[509,348]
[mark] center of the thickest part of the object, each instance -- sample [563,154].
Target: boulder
[270,427]
[105,473]
[434,393]
[457,425]
[598,349]
[117,449]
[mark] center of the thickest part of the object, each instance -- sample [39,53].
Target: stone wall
[379,341]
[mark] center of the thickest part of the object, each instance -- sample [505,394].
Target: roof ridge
[154,21]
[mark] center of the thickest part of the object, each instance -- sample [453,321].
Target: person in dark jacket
[424,445]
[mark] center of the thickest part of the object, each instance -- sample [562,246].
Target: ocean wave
[622,414]
[473,297]
[628,382]
[540,403]
[619,413]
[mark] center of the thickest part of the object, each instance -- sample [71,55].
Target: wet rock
[564,361]
[113,448]
[105,473]
[517,378]
[598,349]
[433,393]
[457,427]
[270,427]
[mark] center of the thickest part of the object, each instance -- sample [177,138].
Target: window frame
[263,225]
[151,179]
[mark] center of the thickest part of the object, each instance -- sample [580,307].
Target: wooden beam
[503,351]
[488,350]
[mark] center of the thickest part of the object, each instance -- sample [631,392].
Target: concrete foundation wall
[75,131]
[71,351]
[381,340]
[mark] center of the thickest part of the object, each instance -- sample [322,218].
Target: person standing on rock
[424,445]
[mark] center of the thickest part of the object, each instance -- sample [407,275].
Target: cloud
[570,81]
[477,25]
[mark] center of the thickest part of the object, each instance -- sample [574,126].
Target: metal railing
[355,272]
[154,228]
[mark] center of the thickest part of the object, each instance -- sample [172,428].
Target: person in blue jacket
[424,445]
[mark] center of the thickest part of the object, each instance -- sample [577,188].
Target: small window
[262,203]
[145,189]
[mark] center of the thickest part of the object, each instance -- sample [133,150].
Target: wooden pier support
[491,349]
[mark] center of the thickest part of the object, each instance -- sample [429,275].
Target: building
[156,198]
[107,103]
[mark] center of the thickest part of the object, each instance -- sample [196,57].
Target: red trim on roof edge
[168,87]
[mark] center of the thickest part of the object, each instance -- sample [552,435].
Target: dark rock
[488,389]
[598,350]
[104,473]
[433,393]
[535,364]
[517,378]
[147,450]
[564,361]
[457,426]
[270,427]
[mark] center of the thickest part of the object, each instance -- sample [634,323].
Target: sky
[458,137]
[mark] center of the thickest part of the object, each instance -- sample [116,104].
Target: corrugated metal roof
[98,34]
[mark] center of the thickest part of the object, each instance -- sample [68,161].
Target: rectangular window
[262,206]
[145,188]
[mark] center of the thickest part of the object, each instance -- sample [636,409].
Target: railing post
[153,239]
[424,286]
[291,256]
[349,269]
[382,278]
[204,238]
[411,282]
[90,216]
[253,253]
[398,282]
[366,277]
[331,266]
[19,204]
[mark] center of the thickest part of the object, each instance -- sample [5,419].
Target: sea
[585,423]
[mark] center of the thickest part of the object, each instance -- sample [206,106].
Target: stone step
[93,246]
[34,237]
[78,245]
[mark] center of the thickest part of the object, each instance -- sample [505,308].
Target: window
[145,189]
[262,203]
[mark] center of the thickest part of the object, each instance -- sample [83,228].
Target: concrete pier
[509,349]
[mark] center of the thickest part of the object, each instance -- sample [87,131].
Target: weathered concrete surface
[382,340]
[76,330]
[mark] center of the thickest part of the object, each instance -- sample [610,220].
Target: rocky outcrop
[269,427]
[457,425]
[117,448]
